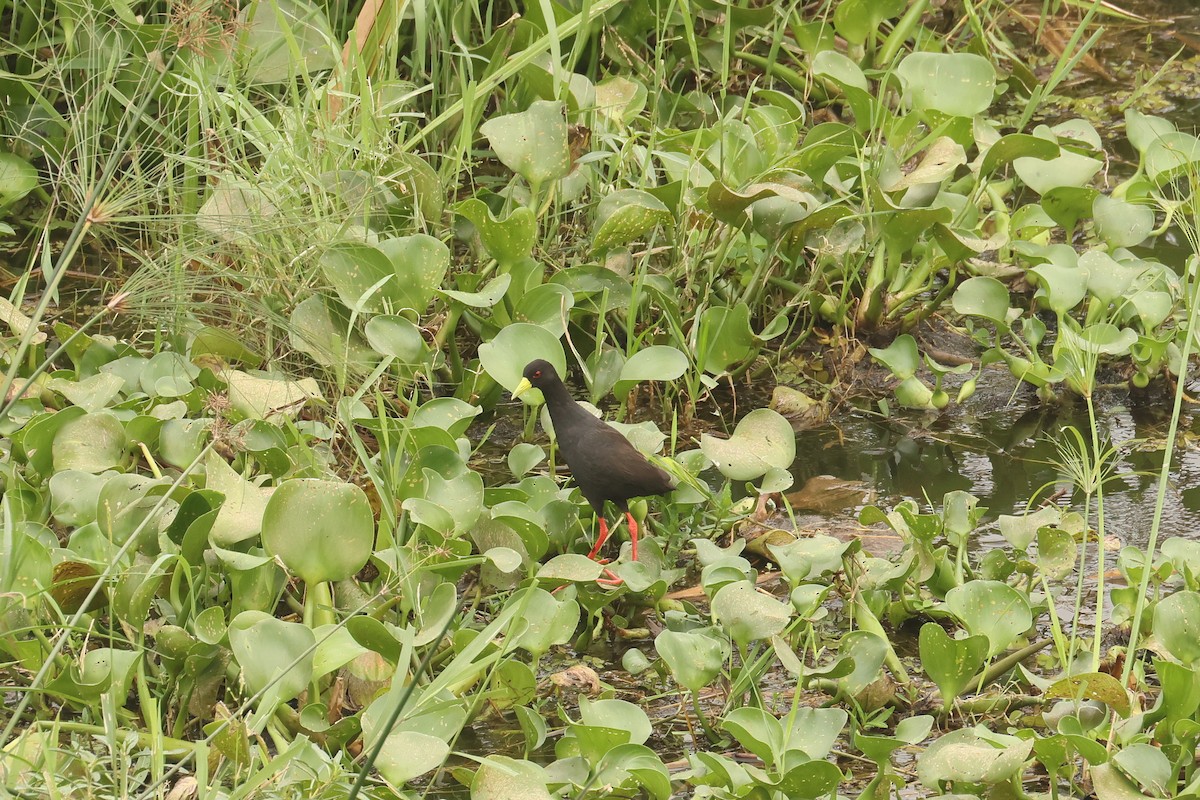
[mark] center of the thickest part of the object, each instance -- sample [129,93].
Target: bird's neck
[558,399]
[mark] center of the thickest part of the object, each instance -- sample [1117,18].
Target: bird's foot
[611,579]
[600,540]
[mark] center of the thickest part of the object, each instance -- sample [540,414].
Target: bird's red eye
[537,373]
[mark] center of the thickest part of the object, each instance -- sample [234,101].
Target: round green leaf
[694,658]
[1177,625]
[656,363]
[955,84]
[625,215]
[321,530]
[1122,224]
[748,614]
[396,337]
[950,663]
[17,179]
[992,609]
[762,440]
[267,648]
[982,297]
[504,778]
[532,143]
[505,356]
[91,443]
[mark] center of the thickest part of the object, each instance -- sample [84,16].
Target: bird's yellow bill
[522,387]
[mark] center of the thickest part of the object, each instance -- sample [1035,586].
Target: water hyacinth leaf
[937,164]
[950,663]
[815,730]
[123,506]
[1152,308]
[396,337]
[321,530]
[625,215]
[362,276]
[694,658]
[811,780]
[809,558]
[901,356]
[617,714]
[840,69]
[507,239]
[321,330]
[210,340]
[573,567]
[756,731]
[1147,766]
[70,582]
[409,754]
[1008,148]
[420,263]
[504,558]
[1143,129]
[982,296]
[168,374]
[1020,531]
[955,84]
[1171,155]
[1102,338]
[236,210]
[532,143]
[504,778]
[73,496]
[446,413]
[548,620]
[267,648]
[17,179]
[1108,279]
[1099,686]
[1177,626]
[272,34]
[732,205]
[748,614]
[94,393]
[620,98]
[524,457]
[267,396]
[1120,223]
[655,363]
[449,505]
[240,516]
[436,609]
[493,292]
[90,443]
[1061,286]
[991,609]
[972,755]
[724,337]
[505,356]
[1069,169]
[105,669]
[868,652]
[762,440]
[548,305]
[857,19]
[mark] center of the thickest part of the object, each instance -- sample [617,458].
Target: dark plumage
[602,461]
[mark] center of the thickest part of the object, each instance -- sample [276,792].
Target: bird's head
[537,375]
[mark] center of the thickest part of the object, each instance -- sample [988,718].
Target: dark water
[1008,458]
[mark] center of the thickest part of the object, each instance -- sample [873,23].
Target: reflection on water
[1006,458]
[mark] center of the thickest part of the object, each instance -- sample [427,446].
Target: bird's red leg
[633,534]
[599,539]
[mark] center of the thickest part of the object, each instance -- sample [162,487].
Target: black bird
[602,461]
